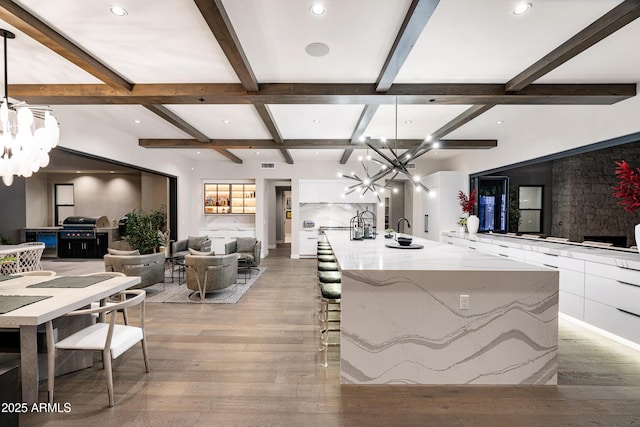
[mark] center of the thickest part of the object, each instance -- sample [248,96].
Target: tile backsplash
[332,214]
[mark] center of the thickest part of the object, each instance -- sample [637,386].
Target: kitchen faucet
[403,219]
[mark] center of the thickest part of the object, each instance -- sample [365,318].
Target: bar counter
[402,321]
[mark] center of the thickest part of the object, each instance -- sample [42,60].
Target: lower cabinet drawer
[613,272]
[555,261]
[612,320]
[572,281]
[613,293]
[571,305]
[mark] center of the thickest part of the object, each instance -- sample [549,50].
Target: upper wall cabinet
[331,191]
[229,198]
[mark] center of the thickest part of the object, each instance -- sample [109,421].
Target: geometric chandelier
[392,164]
[27,134]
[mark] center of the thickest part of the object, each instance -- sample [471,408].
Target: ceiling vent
[411,165]
[269,165]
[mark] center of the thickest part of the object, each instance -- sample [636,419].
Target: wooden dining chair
[110,338]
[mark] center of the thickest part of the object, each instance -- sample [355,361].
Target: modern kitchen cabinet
[308,243]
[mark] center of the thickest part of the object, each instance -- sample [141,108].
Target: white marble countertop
[372,254]
[620,258]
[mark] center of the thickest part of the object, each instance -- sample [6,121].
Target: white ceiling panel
[243,120]
[413,121]
[274,34]
[125,118]
[316,155]
[29,62]
[316,121]
[156,42]
[470,41]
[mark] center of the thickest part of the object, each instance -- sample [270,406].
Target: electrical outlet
[464,302]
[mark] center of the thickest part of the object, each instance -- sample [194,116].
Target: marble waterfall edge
[406,327]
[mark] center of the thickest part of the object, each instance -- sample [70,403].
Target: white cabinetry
[308,243]
[331,191]
[439,210]
[612,299]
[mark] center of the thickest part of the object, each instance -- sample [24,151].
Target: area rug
[180,294]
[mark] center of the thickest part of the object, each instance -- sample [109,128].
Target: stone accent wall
[583,202]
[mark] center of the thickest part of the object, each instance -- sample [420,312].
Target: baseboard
[295,256]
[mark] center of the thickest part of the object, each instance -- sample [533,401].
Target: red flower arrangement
[466,203]
[628,189]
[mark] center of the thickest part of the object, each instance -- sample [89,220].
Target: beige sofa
[207,273]
[149,267]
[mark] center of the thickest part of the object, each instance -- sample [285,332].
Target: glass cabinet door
[229,199]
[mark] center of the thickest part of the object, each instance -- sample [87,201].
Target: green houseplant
[144,229]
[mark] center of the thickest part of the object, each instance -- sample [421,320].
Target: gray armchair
[149,267]
[207,273]
[247,247]
[201,244]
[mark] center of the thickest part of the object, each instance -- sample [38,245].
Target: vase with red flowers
[467,204]
[628,190]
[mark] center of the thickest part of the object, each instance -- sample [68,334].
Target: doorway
[283,214]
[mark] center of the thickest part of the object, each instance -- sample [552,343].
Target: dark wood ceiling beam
[419,13]
[270,123]
[609,23]
[24,21]
[302,93]
[368,112]
[460,120]
[181,124]
[311,144]
[216,17]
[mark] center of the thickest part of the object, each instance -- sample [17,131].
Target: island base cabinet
[614,320]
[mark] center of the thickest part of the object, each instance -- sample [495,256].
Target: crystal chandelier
[27,134]
[389,166]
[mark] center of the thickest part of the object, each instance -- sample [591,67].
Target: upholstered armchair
[247,247]
[149,267]
[200,243]
[207,273]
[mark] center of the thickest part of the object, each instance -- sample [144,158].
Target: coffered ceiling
[232,77]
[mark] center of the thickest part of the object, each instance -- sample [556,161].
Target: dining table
[28,301]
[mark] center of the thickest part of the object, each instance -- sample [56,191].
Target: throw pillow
[200,253]
[246,244]
[120,252]
[196,242]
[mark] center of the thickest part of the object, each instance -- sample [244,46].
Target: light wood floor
[256,363]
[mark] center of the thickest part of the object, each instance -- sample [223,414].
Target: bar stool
[326,258]
[324,252]
[328,266]
[330,294]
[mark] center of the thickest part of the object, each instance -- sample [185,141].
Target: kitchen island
[402,321]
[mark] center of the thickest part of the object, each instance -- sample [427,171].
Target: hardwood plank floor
[255,363]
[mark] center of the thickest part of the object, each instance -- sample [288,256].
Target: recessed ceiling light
[112,171]
[407,122]
[197,152]
[317,49]
[118,10]
[316,121]
[257,153]
[522,8]
[317,9]
[226,122]
[78,171]
[136,121]
[436,144]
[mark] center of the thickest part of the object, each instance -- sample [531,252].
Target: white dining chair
[110,338]
[112,301]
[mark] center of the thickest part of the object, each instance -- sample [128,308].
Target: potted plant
[628,190]
[144,229]
[467,204]
[462,224]
[388,231]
